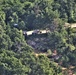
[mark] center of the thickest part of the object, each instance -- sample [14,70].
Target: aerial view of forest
[37,37]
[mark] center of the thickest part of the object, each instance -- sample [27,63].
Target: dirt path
[73,25]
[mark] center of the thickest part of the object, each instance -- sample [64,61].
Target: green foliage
[16,57]
[56,40]
[49,52]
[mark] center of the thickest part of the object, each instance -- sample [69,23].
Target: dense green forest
[16,56]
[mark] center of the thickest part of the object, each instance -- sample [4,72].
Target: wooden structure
[28,33]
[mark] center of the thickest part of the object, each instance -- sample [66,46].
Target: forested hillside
[17,57]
